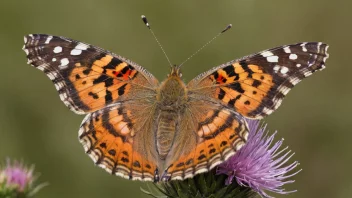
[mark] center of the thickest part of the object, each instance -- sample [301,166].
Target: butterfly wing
[118,138]
[214,127]
[210,133]
[119,96]
[88,78]
[255,86]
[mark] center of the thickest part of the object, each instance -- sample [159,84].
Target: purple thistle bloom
[259,165]
[16,175]
[17,180]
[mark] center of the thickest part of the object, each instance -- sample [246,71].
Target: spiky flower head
[258,167]
[260,164]
[17,180]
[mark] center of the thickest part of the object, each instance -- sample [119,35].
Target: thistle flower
[16,180]
[259,165]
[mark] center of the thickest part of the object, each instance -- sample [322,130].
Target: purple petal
[260,164]
[17,175]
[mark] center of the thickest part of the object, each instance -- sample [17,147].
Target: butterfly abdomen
[165,132]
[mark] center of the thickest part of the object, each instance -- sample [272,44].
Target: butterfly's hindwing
[209,135]
[87,77]
[255,85]
[119,139]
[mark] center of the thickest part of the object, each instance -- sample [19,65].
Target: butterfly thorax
[171,101]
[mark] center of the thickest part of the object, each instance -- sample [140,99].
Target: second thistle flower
[17,180]
[259,164]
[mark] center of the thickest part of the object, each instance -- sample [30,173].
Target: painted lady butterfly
[141,129]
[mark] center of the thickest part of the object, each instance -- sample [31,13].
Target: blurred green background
[315,118]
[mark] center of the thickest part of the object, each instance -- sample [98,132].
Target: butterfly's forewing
[256,85]
[208,135]
[120,95]
[88,78]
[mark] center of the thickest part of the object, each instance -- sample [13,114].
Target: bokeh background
[314,120]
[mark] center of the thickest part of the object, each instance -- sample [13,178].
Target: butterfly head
[175,71]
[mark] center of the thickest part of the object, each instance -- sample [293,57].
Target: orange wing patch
[242,86]
[221,134]
[205,156]
[104,82]
[108,139]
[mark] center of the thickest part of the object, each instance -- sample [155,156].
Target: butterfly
[141,129]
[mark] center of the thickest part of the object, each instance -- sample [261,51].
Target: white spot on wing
[189,175]
[86,144]
[41,67]
[326,52]
[147,179]
[272,59]
[277,102]
[202,170]
[284,90]
[76,52]
[52,75]
[178,178]
[267,53]
[307,73]
[80,132]
[303,45]
[94,156]
[239,146]
[276,68]
[57,49]
[82,46]
[298,65]
[284,70]
[287,50]
[62,97]
[48,39]
[54,59]
[26,51]
[119,174]
[58,85]
[214,164]
[294,81]
[245,136]
[103,165]
[318,46]
[267,111]
[293,56]
[64,62]
[314,59]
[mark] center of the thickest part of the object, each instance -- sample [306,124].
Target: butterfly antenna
[161,47]
[211,40]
